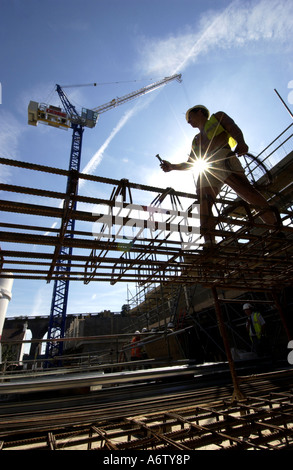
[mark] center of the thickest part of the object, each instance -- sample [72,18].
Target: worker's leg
[241,185]
[207,197]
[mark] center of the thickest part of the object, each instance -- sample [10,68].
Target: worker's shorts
[222,164]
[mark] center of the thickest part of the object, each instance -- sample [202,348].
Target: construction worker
[212,148]
[135,347]
[255,326]
[143,348]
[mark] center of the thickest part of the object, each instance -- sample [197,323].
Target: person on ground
[255,326]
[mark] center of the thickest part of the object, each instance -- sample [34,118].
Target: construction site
[198,385]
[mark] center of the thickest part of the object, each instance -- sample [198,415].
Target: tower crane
[65,118]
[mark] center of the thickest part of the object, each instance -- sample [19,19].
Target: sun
[201,165]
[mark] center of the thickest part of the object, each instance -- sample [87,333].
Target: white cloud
[97,157]
[240,24]
[40,302]
[5,174]
[10,132]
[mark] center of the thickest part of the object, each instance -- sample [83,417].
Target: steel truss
[248,255]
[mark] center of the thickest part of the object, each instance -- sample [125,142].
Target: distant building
[12,345]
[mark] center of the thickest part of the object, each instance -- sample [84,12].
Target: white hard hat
[197,108]
[246,306]
[137,332]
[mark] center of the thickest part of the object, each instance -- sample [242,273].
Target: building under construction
[199,385]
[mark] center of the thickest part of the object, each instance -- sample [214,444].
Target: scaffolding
[156,244]
[248,257]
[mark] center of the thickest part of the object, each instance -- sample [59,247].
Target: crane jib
[68,116]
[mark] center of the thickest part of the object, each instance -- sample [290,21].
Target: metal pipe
[237,394]
[88,379]
[282,316]
[289,111]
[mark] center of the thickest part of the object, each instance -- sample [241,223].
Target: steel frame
[247,257]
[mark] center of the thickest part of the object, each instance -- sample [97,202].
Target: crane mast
[57,319]
[67,118]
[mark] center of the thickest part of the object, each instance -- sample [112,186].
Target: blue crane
[68,117]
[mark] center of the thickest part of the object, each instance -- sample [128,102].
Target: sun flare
[201,165]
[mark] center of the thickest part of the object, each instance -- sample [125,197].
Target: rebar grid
[251,424]
[248,254]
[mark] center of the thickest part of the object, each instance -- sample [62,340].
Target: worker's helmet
[170,325]
[246,306]
[144,330]
[137,332]
[198,107]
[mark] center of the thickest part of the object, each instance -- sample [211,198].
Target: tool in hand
[158,156]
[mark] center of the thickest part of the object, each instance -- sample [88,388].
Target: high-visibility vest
[256,324]
[213,128]
[135,349]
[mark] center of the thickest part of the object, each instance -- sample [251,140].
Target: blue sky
[232,54]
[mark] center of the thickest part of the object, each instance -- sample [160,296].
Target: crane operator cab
[89,117]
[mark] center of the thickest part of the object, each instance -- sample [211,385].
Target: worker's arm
[232,128]
[167,166]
